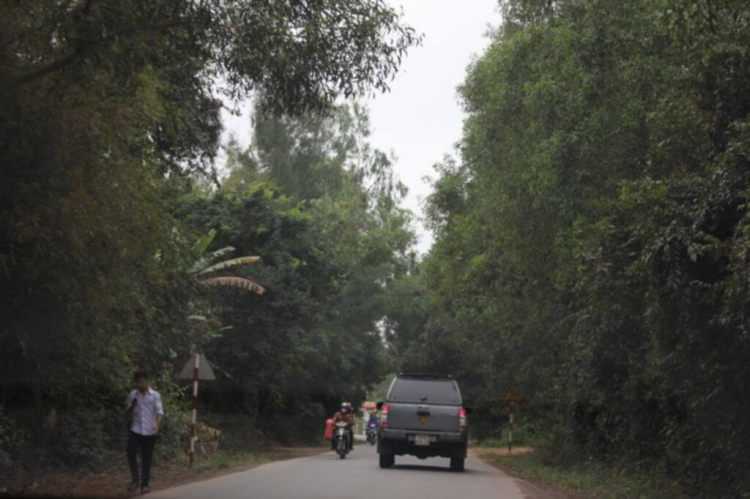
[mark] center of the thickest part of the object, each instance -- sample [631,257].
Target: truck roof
[418,388]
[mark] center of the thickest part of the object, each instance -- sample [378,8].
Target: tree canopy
[592,230]
[591,240]
[109,124]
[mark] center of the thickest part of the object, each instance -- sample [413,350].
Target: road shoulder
[113,482]
[530,487]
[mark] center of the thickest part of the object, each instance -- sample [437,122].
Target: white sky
[420,119]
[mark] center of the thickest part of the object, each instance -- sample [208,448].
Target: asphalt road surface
[325,476]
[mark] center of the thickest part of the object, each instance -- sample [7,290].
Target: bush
[298,424]
[176,424]
[525,434]
[91,435]
[9,439]
[80,437]
[239,431]
[556,447]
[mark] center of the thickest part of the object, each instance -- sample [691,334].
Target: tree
[321,209]
[591,236]
[108,110]
[298,56]
[207,265]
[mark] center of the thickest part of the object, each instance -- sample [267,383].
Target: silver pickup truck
[423,416]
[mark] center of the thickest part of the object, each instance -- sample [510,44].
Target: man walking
[144,409]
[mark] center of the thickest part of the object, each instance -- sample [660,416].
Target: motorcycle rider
[374,420]
[372,426]
[345,415]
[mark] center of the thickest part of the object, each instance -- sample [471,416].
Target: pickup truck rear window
[421,391]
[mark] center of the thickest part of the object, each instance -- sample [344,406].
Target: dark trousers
[146,444]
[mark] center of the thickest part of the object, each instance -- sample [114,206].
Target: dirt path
[113,482]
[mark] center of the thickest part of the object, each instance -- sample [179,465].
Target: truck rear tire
[457,464]
[387,460]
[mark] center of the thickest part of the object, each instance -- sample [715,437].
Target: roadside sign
[512,399]
[197,368]
[205,373]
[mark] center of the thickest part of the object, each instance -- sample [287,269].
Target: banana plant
[208,264]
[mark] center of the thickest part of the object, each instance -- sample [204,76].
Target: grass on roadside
[221,460]
[591,479]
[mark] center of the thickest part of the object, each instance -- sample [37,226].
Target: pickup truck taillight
[462,419]
[384,415]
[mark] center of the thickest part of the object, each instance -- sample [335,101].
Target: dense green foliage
[592,239]
[109,120]
[327,256]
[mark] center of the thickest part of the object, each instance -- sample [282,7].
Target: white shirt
[145,412]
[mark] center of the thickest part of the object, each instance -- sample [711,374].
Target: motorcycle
[372,432]
[341,439]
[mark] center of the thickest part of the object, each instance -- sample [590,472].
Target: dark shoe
[145,490]
[133,487]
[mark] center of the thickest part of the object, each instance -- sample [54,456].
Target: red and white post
[193,435]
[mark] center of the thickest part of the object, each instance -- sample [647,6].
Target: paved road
[324,476]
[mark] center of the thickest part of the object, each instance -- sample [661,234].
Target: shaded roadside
[539,479]
[531,487]
[113,481]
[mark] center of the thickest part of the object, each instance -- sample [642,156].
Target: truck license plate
[422,439]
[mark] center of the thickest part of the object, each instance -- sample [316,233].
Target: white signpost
[196,368]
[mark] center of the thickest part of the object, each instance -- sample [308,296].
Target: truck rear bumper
[436,437]
[402,442]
